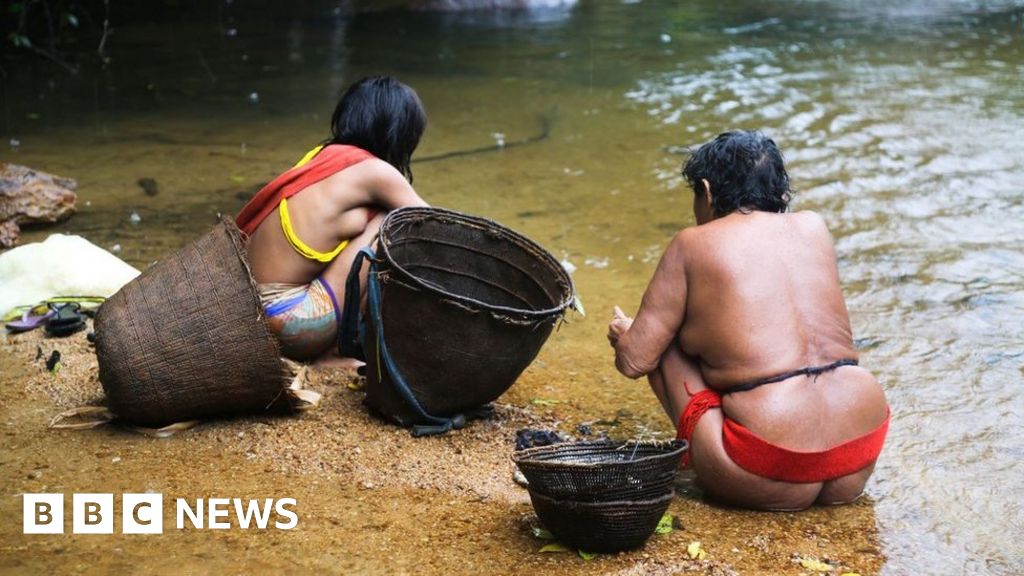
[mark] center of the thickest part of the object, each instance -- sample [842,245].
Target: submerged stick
[546,120]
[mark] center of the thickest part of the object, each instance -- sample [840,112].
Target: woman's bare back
[764,298]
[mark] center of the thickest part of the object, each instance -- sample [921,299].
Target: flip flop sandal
[29,321]
[66,320]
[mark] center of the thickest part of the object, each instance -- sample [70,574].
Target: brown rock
[29,196]
[9,232]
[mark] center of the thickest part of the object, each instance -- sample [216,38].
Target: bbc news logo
[144,514]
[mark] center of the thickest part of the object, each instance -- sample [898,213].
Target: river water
[901,123]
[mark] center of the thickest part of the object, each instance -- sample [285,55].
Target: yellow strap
[309,156]
[300,246]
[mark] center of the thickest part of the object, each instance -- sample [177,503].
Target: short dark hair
[745,171]
[382,116]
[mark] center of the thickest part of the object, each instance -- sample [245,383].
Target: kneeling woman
[744,337]
[306,226]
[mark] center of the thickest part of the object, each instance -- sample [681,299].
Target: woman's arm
[640,343]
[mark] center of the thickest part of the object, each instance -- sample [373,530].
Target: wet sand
[371,499]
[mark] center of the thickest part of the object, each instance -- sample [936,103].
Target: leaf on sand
[664,525]
[695,551]
[849,574]
[542,533]
[816,565]
[587,555]
[238,178]
[554,547]
[544,402]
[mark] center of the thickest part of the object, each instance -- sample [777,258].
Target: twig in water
[206,66]
[106,31]
[545,130]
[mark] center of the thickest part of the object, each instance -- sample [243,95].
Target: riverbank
[371,499]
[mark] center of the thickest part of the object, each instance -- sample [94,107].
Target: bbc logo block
[93,514]
[43,514]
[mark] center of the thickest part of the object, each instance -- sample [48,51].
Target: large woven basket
[601,526]
[465,306]
[187,340]
[602,471]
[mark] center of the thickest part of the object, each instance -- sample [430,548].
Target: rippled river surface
[902,124]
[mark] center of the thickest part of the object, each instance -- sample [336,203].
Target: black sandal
[67,319]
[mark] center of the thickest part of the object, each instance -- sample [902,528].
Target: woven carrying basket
[601,526]
[602,471]
[466,305]
[187,340]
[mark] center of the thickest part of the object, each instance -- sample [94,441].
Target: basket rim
[525,456]
[669,496]
[468,219]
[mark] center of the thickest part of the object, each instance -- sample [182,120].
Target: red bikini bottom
[757,456]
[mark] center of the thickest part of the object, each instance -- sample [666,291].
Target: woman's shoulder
[811,220]
[371,171]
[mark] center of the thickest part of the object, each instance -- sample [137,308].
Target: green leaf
[664,525]
[554,547]
[33,116]
[16,7]
[544,402]
[543,534]
[237,178]
[587,555]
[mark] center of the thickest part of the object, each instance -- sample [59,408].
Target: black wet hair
[745,171]
[382,116]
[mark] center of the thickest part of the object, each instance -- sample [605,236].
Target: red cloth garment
[757,456]
[760,457]
[329,161]
[699,403]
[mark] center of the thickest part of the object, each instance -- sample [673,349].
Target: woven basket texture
[601,526]
[187,339]
[602,471]
[466,305]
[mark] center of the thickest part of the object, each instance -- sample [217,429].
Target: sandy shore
[371,499]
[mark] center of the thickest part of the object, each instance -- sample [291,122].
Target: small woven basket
[602,471]
[601,526]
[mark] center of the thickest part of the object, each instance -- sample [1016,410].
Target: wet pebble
[254,98]
[149,186]
[135,218]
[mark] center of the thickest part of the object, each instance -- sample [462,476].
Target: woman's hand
[618,326]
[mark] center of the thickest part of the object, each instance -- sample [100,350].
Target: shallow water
[901,125]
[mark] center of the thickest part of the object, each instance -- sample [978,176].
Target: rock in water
[149,186]
[29,196]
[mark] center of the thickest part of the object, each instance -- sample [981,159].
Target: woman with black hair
[745,339]
[306,226]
